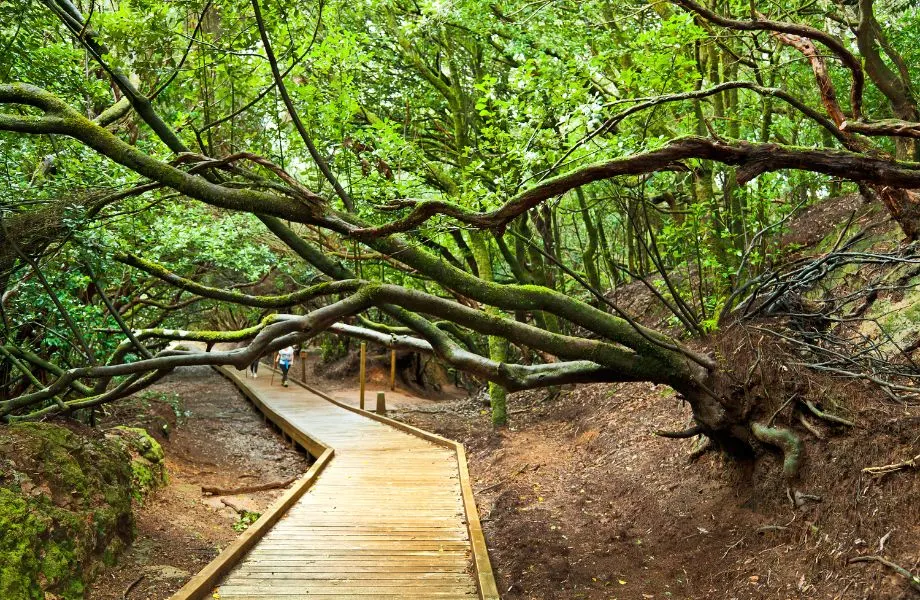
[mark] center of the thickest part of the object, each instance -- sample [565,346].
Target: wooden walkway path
[385,512]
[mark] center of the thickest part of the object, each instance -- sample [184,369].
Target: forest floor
[580,500]
[216,438]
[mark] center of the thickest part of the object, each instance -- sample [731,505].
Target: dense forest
[715,197]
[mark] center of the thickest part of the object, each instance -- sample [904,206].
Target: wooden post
[392,370]
[303,366]
[381,403]
[362,373]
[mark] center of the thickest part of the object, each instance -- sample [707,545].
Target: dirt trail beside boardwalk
[215,438]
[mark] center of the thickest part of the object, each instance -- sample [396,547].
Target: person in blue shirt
[283,360]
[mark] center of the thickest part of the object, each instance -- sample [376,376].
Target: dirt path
[215,438]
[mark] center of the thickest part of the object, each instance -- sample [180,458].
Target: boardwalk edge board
[202,584]
[488,590]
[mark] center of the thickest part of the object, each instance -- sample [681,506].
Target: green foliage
[467,102]
[245,519]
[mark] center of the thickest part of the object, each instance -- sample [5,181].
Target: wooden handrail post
[303,365]
[392,370]
[381,403]
[362,374]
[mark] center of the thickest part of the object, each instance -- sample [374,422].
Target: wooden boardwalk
[387,512]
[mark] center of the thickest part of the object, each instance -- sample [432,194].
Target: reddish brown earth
[217,439]
[580,500]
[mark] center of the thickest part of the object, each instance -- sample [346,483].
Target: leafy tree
[472,175]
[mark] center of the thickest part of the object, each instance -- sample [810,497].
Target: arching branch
[752,159]
[850,61]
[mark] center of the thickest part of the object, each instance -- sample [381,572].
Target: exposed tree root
[827,416]
[811,428]
[679,435]
[912,579]
[787,441]
[703,446]
[799,499]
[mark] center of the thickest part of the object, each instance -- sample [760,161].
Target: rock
[148,462]
[65,508]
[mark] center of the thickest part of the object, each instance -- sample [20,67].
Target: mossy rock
[65,505]
[894,324]
[148,462]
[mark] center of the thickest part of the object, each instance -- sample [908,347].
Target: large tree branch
[822,77]
[753,159]
[896,89]
[760,24]
[282,330]
[235,296]
[883,127]
[611,123]
[373,294]
[61,119]
[295,117]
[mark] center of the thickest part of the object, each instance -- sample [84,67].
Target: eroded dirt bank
[213,437]
[580,500]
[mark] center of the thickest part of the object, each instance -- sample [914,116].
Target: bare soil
[215,438]
[580,500]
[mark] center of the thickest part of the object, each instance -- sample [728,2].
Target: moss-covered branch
[235,296]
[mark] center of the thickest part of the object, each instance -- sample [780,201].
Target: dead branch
[239,510]
[826,416]
[274,485]
[911,463]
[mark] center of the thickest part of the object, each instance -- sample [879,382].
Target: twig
[884,538]
[827,416]
[229,504]
[885,469]
[814,430]
[778,410]
[912,579]
[131,585]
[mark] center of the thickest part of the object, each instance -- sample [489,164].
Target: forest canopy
[459,178]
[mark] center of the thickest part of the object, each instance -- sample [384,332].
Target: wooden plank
[382,596]
[199,585]
[390,519]
[488,590]
[346,589]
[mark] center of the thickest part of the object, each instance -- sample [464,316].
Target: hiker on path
[283,360]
